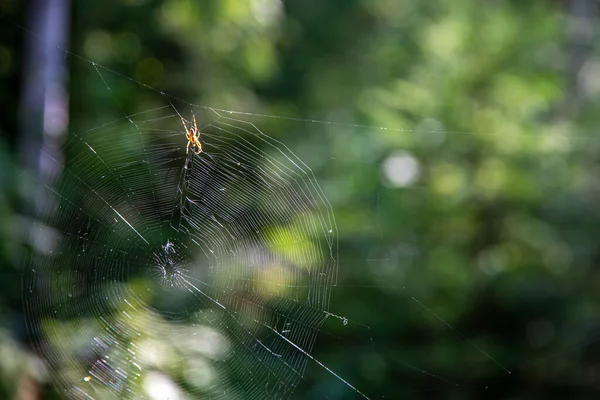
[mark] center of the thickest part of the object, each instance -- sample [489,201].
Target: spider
[193,137]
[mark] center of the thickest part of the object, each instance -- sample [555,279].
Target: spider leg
[184,124]
[187,149]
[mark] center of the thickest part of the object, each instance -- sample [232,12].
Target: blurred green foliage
[488,248]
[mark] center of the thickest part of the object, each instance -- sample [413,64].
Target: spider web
[164,274]
[228,256]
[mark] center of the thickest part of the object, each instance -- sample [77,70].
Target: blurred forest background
[478,206]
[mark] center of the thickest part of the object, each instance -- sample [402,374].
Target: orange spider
[193,137]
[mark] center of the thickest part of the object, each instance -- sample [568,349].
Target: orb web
[156,273]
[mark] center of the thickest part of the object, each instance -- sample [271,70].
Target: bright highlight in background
[401,169]
[159,387]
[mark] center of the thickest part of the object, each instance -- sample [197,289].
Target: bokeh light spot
[401,169]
